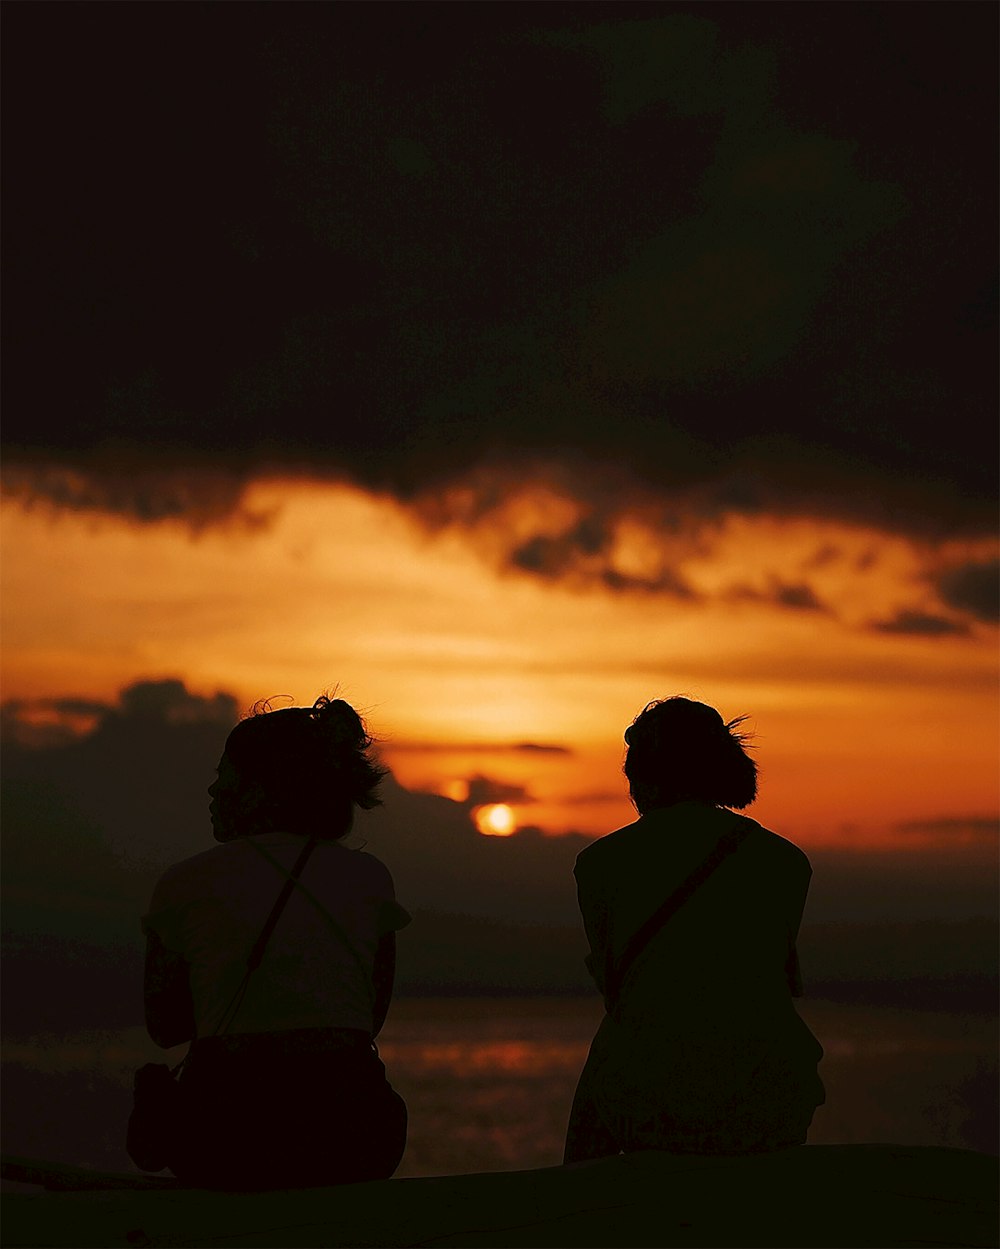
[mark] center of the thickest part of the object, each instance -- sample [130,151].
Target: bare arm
[595,925]
[793,972]
[167,995]
[384,975]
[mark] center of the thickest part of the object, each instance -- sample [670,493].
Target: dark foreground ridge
[870,1196]
[838,1196]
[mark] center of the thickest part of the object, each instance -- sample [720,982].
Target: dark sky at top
[740,250]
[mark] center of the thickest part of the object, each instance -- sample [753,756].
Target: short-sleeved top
[317,969]
[730,949]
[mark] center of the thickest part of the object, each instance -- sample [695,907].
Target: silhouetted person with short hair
[692,913]
[283,1085]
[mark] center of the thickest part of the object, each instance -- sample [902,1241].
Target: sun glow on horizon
[495,820]
[520,687]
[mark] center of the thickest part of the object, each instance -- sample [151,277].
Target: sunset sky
[507,366]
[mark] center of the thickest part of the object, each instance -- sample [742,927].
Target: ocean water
[489,1081]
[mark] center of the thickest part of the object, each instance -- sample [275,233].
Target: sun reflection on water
[525,1058]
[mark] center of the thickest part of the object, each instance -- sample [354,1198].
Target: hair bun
[340,723]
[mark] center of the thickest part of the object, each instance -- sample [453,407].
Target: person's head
[679,749]
[297,769]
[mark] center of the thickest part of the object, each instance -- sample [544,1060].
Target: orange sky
[456,662]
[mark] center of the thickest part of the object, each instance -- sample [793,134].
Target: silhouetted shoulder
[787,852]
[196,867]
[212,868]
[373,866]
[598,851]
[392,916]
[689,820]
[774,855]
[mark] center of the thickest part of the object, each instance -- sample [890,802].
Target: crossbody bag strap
[260,945]
[328,919]
[640,939]
[257,953]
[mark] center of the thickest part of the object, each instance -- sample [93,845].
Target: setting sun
[495,820]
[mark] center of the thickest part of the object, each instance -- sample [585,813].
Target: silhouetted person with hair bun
[692,913]
[283,1085]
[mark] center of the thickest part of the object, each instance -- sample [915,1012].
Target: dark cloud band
[678,257]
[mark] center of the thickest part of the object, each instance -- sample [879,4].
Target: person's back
[318,967]
[701,1049]
[730,947]
[274,954]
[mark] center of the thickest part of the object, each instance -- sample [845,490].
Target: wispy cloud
[974,588]
[139,484]
[484,789]
[797,596]
[459,747]
[984,828]
[920,624]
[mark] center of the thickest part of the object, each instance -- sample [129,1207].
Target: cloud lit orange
[466,669]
